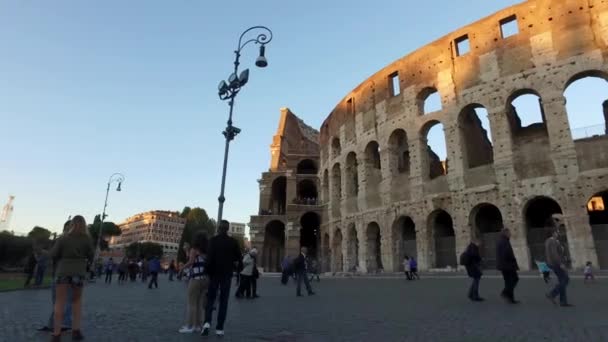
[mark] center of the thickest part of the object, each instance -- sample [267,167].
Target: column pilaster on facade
[563,152]
[502,144]
[455,158]
[416,146]
[580,238]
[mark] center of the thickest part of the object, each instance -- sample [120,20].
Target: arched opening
[326,254]
[532,152]
[444,237]
[372,155]
[274,246]
[429,101]
[398,153]
[475,133]
[436,149]
[541,214]
[307,192]
[337,252]
[374,248]
[336,189]
[352,249]
[404,238]
[307,167]
[586,103]
[352,177]
[336,148]
[486,221]
[325,198]
[310,224]
[598,219]
[278,199]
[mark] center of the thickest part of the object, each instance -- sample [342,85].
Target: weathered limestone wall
[558,42]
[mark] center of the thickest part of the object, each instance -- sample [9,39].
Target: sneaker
[45,329]
[550,298]
[186,330]
[219,333]
[77,335]
[205,330]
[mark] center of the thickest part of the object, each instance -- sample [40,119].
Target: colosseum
[385,193]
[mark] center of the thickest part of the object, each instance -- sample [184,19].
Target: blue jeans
[67,313]
[562,283]
[474,289]
[39,275]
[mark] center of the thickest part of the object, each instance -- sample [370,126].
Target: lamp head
[222,88]
[261,61]
[118,188]
[244,77]
[233,81]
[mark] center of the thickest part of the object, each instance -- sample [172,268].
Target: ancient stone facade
[388,194]
[289,211]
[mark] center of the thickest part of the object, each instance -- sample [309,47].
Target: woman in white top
[246,274]
[197,285]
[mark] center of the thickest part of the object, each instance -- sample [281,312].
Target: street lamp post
[115,178]
[229,90]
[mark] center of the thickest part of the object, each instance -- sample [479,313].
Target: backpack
[464,258]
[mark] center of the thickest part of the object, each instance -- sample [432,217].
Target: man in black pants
[473,266]
[507,264]
[301,268]
[222,258]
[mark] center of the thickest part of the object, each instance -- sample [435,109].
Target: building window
[509,27]
[350,106]
[596,204]
[395,87]
[462,45]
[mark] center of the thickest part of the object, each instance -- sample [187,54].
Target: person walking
[472,263]
[286,269]
[507,264]
[414,268]
[246,275]
[224,253]
[30,267]
[554,252]
[197,285]
[145,270]
[172,269]
[41,264]
[67,314]
[301,269]
[71,253]
[109,270]
[588,272]
[123,268]
[255,274]
[154,268]
[406,267]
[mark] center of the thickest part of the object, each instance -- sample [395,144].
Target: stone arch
[587,104]
[307,167]
[325,190]
[542,214]
[476,139]
[310,232]
[597,209]
[429,101]
[325,254]
[398,153]
[307,192]
[278,198]
[352,176]
[373,246]
[352,248]
[336,189]
[531,147]
[444,238]
[274,245]
[336,148]
[404,239]
[435,149]
[486,223]
[337,257]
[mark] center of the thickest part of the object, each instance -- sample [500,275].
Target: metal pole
[103,216]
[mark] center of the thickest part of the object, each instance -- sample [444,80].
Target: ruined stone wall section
[557,40]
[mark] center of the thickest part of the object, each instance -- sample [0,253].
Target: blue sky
[92,88]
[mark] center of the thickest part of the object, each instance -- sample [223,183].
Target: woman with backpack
[198,284]
[471,260]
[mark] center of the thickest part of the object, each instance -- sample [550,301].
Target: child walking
[589,272]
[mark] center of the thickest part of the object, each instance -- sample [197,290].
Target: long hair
[79,225]
[200,242]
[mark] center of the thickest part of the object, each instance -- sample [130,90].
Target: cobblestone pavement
[344,309]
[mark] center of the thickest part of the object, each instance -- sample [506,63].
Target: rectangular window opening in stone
[350,106]
[509,27]
[394,84]
[462,45]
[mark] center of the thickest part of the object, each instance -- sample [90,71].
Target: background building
[237,230]
[162,227]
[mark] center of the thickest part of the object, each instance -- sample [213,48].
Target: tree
[39,234]
[109,229]
[14,249]
[144,250]
[196,220]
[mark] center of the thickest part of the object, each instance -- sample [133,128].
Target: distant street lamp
[115,178]
[229,90]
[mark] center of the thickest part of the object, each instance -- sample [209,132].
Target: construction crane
[7,212]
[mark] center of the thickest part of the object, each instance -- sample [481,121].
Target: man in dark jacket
[473,266]
[507,264]
[223,255]
[555,259]
[301,268]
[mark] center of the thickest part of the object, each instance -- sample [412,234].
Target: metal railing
[589,131]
